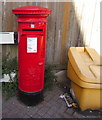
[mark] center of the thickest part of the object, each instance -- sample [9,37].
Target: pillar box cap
[34,11]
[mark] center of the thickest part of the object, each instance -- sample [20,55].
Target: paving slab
[51,107]
[70,111]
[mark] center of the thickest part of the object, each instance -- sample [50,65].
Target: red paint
[31,65]
[4,33]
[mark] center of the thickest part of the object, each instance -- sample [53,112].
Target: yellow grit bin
[84,70]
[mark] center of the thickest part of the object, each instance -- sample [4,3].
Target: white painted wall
[88,15]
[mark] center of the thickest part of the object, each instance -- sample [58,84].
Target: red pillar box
[32,26]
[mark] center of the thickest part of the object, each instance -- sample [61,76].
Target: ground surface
[51,107]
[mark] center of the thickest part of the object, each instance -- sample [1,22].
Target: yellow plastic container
[84,70]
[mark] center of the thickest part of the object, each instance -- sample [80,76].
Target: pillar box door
[32,26]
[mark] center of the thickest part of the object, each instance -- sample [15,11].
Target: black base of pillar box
[30,99]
